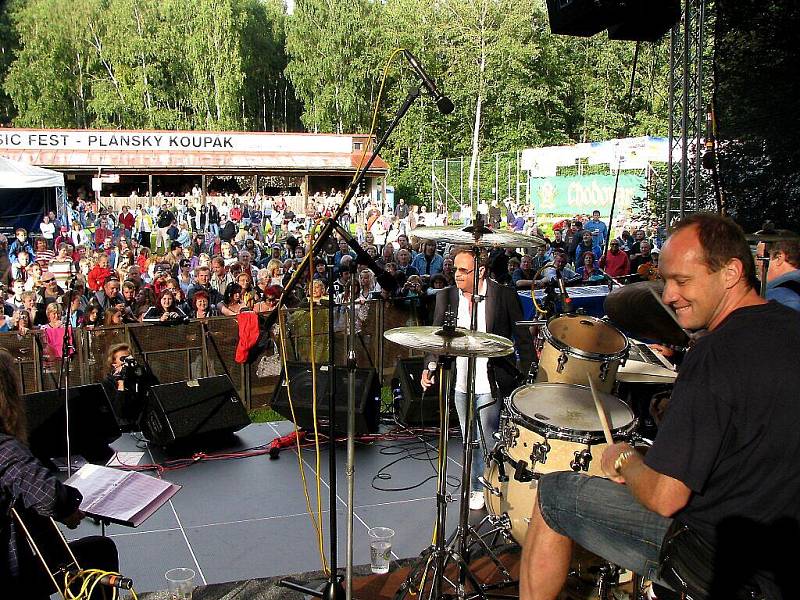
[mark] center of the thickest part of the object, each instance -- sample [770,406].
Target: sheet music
[124,496]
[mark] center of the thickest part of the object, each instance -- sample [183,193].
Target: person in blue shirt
[588,244]
[783,275]
[598,228]
[428,262]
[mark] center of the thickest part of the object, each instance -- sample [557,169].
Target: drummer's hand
[662,350]
[610,455]
[427,379]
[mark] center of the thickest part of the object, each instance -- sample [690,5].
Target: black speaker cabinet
[412,406]
[92,424]
[194,411]
[644,20]
[368,394]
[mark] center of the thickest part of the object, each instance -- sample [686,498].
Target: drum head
[567,407]
[587,335]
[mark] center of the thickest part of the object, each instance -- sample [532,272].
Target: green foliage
[246,64]
[332,62]
[192,64]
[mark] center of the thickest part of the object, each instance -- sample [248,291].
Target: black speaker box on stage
[368,394]
[194,411]
[92,424]
[644,20]
[412,406]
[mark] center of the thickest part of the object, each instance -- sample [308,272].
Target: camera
[131,369]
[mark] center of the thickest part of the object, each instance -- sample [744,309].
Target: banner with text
[207,141]
[583,194]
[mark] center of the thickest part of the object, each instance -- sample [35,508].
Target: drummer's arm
[660,493]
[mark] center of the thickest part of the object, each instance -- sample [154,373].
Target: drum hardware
[489,487]
[582,460]
[539,452]
[604,369]
[521,471]
[562,361]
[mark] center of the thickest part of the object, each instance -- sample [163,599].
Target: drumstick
[601,412]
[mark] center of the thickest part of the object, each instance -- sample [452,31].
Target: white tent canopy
[17,175]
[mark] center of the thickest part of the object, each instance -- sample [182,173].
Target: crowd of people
[182,259]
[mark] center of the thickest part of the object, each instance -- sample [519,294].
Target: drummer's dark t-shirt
[732,430]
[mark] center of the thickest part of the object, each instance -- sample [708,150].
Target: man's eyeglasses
[462,271]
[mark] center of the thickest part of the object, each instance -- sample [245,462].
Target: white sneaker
[476,501]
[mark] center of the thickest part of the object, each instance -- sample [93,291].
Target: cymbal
[772,235]
[462,342]
[488,239]
[635,310]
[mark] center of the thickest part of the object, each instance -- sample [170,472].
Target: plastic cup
[380,548]
[180,583]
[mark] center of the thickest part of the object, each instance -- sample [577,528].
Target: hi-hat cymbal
[635,310]
[463,342]
[487,239]
[772,235]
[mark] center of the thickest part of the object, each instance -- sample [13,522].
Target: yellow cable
[312,350]
[317,525]
[539,309]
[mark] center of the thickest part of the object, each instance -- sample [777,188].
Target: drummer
[496,378]
[724,465]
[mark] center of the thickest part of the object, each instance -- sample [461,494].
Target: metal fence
[204,348]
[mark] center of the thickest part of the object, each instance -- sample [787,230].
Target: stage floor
[243,519]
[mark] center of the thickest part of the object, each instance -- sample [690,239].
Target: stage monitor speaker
[368,395]
[412,406]
[193,412]
[92,424]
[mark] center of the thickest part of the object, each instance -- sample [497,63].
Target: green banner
[583,194]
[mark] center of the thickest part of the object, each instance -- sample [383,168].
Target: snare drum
[548,427]
[577,347]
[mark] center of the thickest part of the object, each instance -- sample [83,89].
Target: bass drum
[578,347]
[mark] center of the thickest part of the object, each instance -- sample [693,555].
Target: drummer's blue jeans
[605,518]
[490,421]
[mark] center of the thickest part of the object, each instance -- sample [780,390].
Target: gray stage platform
[243,519]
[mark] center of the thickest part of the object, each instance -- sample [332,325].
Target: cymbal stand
[466,535]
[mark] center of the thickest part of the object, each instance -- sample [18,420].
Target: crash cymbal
[772,235]
[487,239]
[634,309]
[462,342]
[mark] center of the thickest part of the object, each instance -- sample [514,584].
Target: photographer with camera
[123,384]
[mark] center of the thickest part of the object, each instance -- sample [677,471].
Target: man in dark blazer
[499,309]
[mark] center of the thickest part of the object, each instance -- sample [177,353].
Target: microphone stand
[67,348]
[333,589]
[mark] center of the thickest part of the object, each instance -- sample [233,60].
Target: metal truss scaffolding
[686,111]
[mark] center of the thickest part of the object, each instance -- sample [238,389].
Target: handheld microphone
[443,103]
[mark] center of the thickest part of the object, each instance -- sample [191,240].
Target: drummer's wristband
[622,459]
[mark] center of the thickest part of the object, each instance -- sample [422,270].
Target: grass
[264,414]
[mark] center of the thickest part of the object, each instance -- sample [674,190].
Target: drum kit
[552,423]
